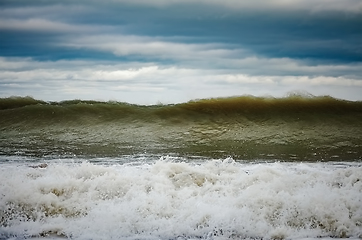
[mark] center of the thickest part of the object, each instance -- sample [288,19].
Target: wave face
[294,128]
[109,170]
[168,199]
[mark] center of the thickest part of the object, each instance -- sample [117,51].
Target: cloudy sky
[170,51]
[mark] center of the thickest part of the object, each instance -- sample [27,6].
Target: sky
[171,51]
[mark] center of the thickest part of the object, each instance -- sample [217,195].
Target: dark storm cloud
[295,33]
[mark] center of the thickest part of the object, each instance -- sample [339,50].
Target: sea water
[233,168]
[175,198]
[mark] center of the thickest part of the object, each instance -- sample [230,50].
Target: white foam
[170,200]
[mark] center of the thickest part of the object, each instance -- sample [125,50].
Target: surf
[169,198]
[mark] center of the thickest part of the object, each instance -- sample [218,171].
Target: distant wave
[293,101]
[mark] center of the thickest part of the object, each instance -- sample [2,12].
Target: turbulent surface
[292,128]
[171,199]
[290,168]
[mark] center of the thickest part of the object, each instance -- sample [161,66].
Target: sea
[241,167]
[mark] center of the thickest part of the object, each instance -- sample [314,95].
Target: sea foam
[167,199]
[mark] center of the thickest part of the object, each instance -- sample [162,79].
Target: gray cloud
[87,79]
[312,5]
[170,51]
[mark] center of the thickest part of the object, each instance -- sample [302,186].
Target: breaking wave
[236,168]
[292,128]
[298,127]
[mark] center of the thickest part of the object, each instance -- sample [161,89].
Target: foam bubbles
[170,200]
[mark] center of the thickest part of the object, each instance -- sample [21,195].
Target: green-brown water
[295,128]
[229,168]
